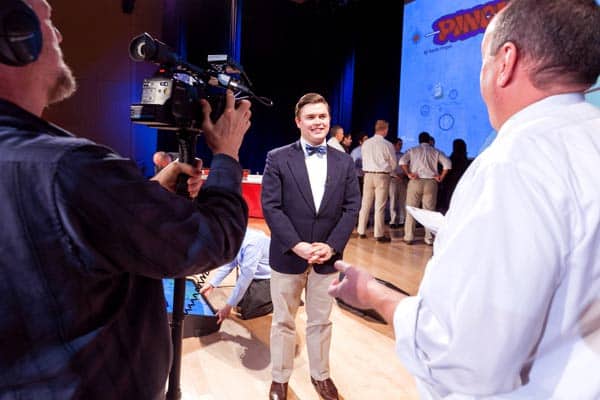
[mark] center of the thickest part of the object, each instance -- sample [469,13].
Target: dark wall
[377,75]
[289,49]
[96,36]
[195,29]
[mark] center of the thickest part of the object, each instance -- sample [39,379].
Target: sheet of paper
[431,220]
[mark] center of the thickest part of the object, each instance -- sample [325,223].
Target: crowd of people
[422,177]
[390,179]
[508,306]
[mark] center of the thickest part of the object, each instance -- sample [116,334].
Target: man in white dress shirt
[509,306]
[337,136]
[378,160]
[420,164]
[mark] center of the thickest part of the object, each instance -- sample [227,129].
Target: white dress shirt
[333,142]
[316,165]
[378,155]
[509,306]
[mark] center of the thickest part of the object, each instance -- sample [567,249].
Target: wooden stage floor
[234,362]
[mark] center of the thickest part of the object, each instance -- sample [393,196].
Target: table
[251,189]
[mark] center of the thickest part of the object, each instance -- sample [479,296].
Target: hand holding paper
[431,220]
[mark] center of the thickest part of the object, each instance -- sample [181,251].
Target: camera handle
[187,151]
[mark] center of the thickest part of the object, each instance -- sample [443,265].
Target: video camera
[170,97]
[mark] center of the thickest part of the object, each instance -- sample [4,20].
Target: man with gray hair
[337,136]
[509,306]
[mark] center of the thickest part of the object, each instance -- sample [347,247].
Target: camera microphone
[170,97]
[145,48]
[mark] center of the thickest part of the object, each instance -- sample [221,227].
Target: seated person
[252,291]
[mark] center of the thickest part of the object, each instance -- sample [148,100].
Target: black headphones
[20,34]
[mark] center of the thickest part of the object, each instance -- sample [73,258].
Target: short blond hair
[381,125]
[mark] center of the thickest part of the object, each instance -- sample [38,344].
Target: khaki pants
[285,293]
[397,200]
[419,191]
[376,188]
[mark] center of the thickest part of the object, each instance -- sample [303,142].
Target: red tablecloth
[251,188]
[251,193]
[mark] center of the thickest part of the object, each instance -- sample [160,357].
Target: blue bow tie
[315,149]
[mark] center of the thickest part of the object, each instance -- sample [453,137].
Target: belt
[376,172]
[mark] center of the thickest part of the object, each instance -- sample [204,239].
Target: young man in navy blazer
[310,201]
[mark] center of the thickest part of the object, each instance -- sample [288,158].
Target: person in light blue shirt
[356,155]
[252,289]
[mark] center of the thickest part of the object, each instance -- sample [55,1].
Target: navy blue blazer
[289,209]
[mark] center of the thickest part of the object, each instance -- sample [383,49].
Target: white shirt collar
[540,108]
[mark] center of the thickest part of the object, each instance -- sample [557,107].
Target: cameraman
[86,240]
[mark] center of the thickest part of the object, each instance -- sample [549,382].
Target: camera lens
[142,48]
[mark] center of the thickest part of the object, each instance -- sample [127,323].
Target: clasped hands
[314,253]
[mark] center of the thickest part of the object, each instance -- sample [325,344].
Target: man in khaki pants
[420,164]
[310,201]
[378,161]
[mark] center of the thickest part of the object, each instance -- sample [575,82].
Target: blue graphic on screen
[439,84]
[194,303]
[593,94]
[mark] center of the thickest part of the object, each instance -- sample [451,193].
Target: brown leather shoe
[278,391]
[325,388]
